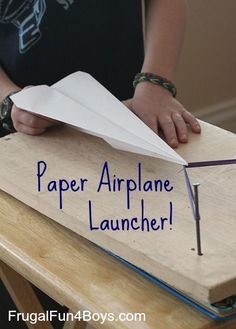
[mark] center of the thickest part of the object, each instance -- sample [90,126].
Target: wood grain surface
[81,276]
[166,254]
[23,295]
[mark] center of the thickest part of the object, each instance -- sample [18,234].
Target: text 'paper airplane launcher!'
[81,101]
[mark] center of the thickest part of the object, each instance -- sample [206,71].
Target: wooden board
[81,276]
[166,254]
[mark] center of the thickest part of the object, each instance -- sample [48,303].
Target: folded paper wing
[81,101]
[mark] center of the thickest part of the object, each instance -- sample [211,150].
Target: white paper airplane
[81,101]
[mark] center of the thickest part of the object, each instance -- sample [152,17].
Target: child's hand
[29,123]
[161,112]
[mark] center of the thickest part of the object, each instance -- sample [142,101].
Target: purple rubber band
[197,165]
[190,193]
[210,163]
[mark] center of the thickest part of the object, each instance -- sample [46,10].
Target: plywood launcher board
[168,252]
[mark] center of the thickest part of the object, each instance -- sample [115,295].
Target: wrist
[8,90]
[5,113]
[147,89]
[164,71]
[157,80]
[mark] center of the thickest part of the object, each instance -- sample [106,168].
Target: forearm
[6,85]
[165,26]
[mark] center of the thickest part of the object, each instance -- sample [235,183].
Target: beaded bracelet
[156,79]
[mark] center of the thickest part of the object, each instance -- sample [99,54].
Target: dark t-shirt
[41,41]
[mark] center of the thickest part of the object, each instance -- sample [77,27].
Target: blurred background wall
[206,76]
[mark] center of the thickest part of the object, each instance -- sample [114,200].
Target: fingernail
[174,142]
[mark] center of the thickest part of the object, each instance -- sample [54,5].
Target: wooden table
[79,275]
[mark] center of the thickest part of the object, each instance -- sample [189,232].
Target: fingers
[181,127]
[192,121]
[29,130]
[175,127]
[29,123]
[158,109]
[29,119]
[153,124]
[150,121]
[169,131]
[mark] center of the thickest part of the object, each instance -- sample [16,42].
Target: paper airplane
[81,101]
